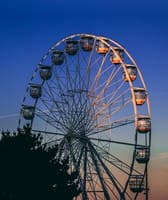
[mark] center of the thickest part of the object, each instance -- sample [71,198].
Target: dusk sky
[30,27]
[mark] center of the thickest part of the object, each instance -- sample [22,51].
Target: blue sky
[29,28]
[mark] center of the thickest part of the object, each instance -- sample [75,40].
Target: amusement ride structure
[87,94]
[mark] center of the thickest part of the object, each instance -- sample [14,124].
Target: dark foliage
[30,170]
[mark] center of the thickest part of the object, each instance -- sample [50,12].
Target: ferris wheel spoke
[50,120]
[103,184]
[85,170]
[76,98]
[115,124]
[77,83]
[103,118]
[62,150]
[53,141]
[98,74]
[67,97]
[80,157]
[90,64]
[70,80]
[54,108]
[111,97]
[105,85]
[78,79]
[69,148]
[48,132]
[122,99]
[52,113]
[81,69]
[113,179]
[62,98]
[119,102]
[77,151]
[84,194]
[95,185]
[77,110]
[84,115]
[115,161]
[48,138]
[116,106]
[113,141]
[90,181]
[65,147]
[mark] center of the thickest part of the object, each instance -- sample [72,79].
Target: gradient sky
[28,28]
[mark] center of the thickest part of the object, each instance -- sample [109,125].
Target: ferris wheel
[88,95]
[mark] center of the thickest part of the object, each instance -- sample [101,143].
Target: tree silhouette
[30,170]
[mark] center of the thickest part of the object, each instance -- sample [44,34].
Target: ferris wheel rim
[102,39]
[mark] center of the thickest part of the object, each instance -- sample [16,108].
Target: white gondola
[140,96]
[28,112]
[101,47]
[35,91]
[142,154]
[57,57]
[86,43]
[143,124]
[45,72]
[71,47]
[117,57]
[136,183]
[131,71]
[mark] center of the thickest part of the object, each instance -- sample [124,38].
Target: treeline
[31,170]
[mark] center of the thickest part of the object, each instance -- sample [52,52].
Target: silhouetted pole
[147,189]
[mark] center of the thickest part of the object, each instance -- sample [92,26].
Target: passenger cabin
[57,57]
[45,72]
[35,91]
[86,43]
[136,183]
[71,47]
[117,55]
[140,96]
[142,154]
[132,73]
[101,47]
[28,112]
[143,124]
